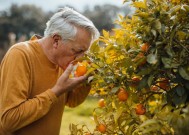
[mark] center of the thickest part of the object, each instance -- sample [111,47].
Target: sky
[51,5]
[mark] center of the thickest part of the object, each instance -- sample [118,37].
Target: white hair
[65,24]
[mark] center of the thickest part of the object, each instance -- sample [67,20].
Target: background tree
[25,20]
[104,16]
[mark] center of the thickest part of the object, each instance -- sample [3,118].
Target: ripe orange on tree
[80,70]
[144,47]
[164,83]
[122,95]
[101,102]
[140,59]
[140,109]
[154,88]
[101,128]
[135,81]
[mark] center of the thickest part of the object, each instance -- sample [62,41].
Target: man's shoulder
[22,46]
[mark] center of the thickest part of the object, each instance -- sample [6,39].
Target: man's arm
[78,95]
[17,110]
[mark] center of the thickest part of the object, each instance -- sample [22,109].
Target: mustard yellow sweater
[27,106]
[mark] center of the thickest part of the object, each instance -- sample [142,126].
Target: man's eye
[77,51]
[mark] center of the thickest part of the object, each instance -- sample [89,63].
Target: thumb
[68,71]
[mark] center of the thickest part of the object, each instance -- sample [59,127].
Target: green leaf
[95,117]
[130,130]
[145,71]
[156,24]
[173,10]
[181,35]
[169,63]
[149,126]
[186,7]
[94,66]
[180,90]
[150,79]
[114,90]
[154,32]
[105,34]
[126,62]
[143,82]
[175,95]
[94,48]
[140,4]
[179,100]
[169,51]
[158,43]
[152,58]
[142,14]
[186,85]
[90,79]
[183,72]
[117,114]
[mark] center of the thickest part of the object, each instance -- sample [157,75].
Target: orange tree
[147,61]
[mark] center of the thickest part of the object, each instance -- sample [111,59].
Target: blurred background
[20,19]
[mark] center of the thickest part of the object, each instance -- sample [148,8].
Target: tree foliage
[148,58]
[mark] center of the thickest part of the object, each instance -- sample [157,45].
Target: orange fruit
[135,81]
[122,95]
[140,109]
[101,128]
[154,88]
[101,103]
[138,57]
[143,62]
[144,47]
[164,83]
[141,59]
[80,70]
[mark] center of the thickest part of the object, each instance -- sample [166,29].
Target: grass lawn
[79,115]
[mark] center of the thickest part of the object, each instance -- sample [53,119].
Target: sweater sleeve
[17,109]
[78,95]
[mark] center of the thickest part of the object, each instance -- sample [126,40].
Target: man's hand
[65,84]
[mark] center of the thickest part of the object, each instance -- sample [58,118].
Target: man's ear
[56,38]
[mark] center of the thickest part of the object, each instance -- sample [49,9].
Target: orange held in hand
[101,128]
[122,95]
[140,109]
[80,70]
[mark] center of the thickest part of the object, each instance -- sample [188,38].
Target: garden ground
[79,115]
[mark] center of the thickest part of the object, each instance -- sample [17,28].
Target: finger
[80,79]
[68,71]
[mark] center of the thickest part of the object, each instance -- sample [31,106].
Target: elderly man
[34,76]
